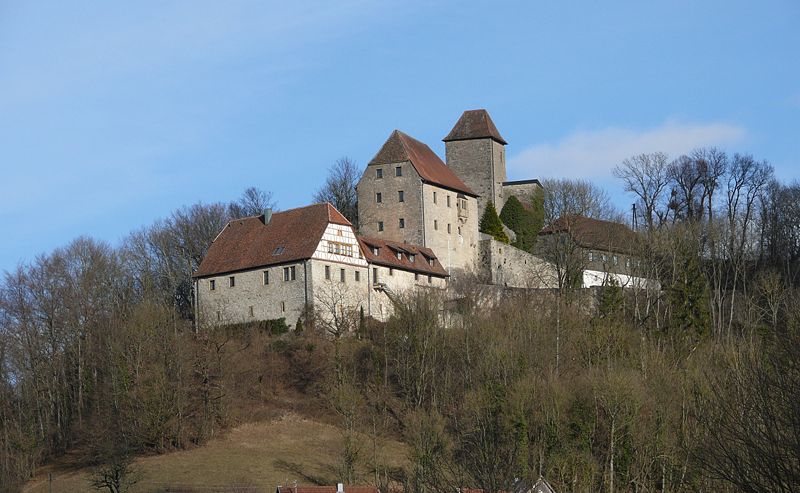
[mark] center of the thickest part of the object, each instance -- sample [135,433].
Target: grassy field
[257,455]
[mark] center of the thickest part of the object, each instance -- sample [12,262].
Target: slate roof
[594,233]
[387,256]
[400,147]
[326,489]
[248,243]
[474,124]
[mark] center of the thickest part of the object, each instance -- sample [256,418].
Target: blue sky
[113,114]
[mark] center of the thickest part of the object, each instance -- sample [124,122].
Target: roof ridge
[475,124]
[401,147]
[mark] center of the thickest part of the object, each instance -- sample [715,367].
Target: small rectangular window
[278,250]
[293,272]
[250,310]
[358,276]
[212,285]
[434,197]
[416,276]
[402,223]
[615,260]
[328,272]
[448,201]
[374,274]
[378,197]
[391,271]
[380,225]
[341,275]
[448,228]
[400,196]
[398,171]
[436,225]
[283,306]
[591,256]
[266,277]
[379,173]
[232,281]
[430,279]
[459,230]
[289,273]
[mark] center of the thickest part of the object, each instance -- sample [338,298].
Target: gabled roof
[387,256]
[400,147]
[248,243]
[475,124]
[594,233]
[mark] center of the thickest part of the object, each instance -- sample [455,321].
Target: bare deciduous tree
[340,188]
[645,175]
[253,202]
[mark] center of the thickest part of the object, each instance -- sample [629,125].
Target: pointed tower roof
[475,124]
[400,147]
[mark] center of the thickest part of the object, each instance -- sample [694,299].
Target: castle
[418,229]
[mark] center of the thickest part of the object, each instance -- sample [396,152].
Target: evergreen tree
[689,297]
[523,222]
[491,224]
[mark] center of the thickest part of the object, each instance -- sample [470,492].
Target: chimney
[267,216]
[339,487]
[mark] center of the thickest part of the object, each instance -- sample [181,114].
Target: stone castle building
[418,228]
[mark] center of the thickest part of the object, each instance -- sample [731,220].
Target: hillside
[260,455]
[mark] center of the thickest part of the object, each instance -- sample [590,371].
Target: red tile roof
[594,233]
[387,256]
[248,243]
[474,124]
[326,489]
[400,147]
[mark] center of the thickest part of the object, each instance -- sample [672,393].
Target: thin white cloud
[593,154]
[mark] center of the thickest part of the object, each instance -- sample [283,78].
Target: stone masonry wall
[507,266]
[333,293]
[525,191]
[390,210]
[451,231]
[400,283]
[250,298]
[480,163]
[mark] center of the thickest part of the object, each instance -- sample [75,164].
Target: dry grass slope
[254,457]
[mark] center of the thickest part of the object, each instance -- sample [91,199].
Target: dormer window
[430,262]
[399,256]
[410,257]
[278,251]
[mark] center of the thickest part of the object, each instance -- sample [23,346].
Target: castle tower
[475,151]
